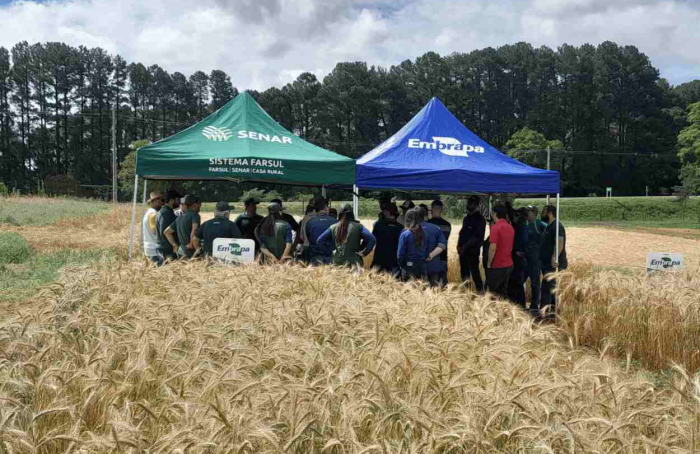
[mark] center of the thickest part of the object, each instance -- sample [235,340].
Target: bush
[14,248]
[4,192]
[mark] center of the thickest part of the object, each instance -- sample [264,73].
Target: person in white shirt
[148,227]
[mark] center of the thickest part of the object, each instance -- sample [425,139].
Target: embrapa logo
[217,134]
[234,249]
[665,262]
[446,145]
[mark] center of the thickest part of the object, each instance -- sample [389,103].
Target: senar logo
[446,145]
[217,134]
[265,137]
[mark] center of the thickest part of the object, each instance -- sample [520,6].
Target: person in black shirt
[549,260]
[288,217]
[248,222]
[164,219]
[387,232]
[219,227]
[516,283]
[471,238]
[436,209]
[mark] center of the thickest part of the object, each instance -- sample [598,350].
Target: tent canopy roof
[241,142]
[436,152]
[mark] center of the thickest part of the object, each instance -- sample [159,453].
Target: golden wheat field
[202,358]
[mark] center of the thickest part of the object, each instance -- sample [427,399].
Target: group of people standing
[520,247]
[411,244]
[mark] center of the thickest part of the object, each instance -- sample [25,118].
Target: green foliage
[690,178]
[4,192]
[31,211]
[14,248]
[527,139]
[18,282]
[689,137]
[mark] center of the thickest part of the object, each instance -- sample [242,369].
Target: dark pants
[548,287]
[469,267]
[438,279]
[533,273]
[414,270]
[394,271]
[166,255]
[516,283]
[316,260]
[156,259]
[497,280]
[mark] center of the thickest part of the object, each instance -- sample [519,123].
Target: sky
[264,43]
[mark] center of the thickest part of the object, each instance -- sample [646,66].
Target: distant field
[620,211]
[37,211]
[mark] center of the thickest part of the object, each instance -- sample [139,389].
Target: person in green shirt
[275,236]
[248,221]
[185,227]
[351,241]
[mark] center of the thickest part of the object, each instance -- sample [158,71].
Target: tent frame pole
[556,235]
[133,215]
[355,202]
[145,185]
[323,191]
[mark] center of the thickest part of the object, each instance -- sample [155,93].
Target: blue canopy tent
[435,152]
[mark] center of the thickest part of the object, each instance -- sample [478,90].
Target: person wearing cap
[275,236]
[471,238]
[248,221]
[405,206]
[148,228]
[387,232]
[350,240]
[220,226]
[535,230]
[287,217]
[165,218]
[319,253]
[185,226]
[446,228]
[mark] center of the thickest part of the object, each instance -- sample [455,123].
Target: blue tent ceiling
[436,152]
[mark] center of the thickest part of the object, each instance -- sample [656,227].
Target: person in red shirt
[500,261]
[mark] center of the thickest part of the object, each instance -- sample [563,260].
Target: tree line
[604,111]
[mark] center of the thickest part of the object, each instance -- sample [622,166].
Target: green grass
[20,281]
[14,248]
[31,211]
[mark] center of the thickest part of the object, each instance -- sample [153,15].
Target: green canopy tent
[240,142]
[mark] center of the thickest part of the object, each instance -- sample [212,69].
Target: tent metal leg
[145,185]
[133,216]
[323,191]
[556,235]
[355,202]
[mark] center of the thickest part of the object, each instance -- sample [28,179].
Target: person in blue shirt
[414,242]
[350,240]
[436,240]
[319,253]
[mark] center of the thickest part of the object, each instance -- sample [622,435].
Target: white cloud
[261,43]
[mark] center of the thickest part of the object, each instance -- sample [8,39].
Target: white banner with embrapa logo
[230,250]
[664,261]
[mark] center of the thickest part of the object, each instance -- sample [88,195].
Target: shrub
[14,248]
[4,192]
